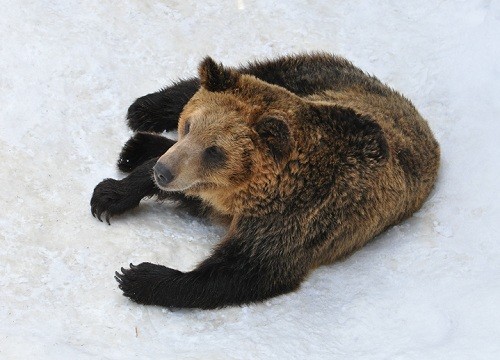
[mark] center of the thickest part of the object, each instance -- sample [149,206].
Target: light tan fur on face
[218,124]
[182,159]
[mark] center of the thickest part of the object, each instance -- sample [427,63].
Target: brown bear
[305,157]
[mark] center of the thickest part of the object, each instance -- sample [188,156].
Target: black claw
[132,266]
[118,275]
[107,218]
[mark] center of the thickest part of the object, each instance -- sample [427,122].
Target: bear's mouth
[192,188]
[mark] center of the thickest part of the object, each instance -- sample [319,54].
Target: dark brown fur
[314,159]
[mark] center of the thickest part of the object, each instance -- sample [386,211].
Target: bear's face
[230,139]
[214,150]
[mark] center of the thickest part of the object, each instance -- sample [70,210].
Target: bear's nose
[162,174]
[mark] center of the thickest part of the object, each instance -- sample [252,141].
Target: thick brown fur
[305,156]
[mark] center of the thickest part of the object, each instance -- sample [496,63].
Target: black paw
[147,283]
[140,148]
[147,113]
[111,198]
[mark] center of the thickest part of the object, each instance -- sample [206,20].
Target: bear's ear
[276,136]
[215,77]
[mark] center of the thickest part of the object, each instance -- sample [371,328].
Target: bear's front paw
[134,152]
[147,283]
[111,198]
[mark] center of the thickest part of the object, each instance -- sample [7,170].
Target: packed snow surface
[428,288]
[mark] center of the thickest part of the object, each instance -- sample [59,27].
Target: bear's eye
[187,126]
[214,156]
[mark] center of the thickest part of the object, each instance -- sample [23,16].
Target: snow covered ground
[427,289]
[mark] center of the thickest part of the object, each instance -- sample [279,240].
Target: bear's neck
[254,198]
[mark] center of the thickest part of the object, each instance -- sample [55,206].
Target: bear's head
[235,135]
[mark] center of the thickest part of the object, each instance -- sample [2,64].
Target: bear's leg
[241,270]
[160,111]
[114,197]
[140,148]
